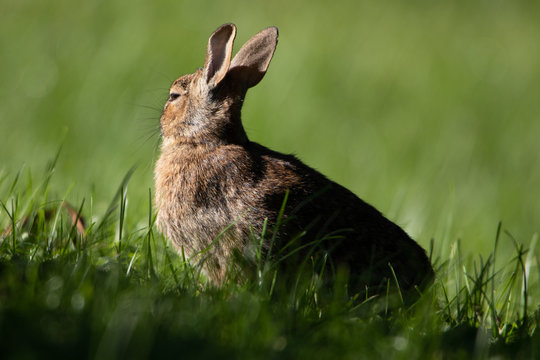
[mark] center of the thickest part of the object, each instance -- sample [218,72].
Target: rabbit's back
[364,241]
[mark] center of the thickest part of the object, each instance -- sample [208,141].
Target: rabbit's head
[204,107]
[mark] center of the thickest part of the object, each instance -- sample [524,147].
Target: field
[428,111]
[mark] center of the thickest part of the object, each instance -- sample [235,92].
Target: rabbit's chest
[198,199]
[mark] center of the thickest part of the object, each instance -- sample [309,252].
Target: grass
[119,290]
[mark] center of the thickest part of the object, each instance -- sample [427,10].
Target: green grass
[119,290]
[427,110]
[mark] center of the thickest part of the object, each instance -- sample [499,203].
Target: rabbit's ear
[218,54]
[251,62]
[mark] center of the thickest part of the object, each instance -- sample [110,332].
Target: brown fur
[209,176]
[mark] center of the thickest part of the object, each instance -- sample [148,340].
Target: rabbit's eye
[173,96]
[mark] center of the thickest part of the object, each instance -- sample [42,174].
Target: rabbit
[215,188]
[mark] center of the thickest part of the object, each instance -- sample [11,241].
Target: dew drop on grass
[55,283]
[400,343]
[77,302]
[52,300]
[54,287]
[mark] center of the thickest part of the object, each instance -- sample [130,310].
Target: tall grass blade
[106,219]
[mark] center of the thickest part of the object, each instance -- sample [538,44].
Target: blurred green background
[428,110]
